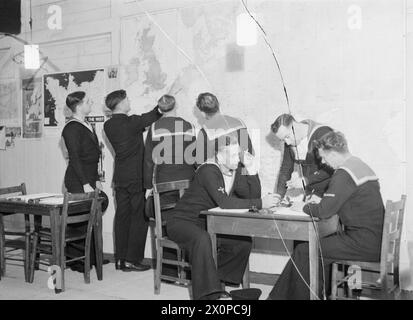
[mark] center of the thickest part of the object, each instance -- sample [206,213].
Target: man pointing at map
[125,134]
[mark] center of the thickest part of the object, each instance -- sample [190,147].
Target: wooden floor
[114,286]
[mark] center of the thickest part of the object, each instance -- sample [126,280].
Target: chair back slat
[77,218]
[390,247]
[180,186]
[21,189]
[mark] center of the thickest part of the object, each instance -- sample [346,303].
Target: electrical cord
[295,140]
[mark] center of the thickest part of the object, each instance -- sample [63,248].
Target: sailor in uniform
[298,138]
[354,195]
[217,126]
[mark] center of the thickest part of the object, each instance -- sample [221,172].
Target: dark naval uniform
[125,135]
[218,127]
[188,228]
[171,143]
[316,174]
[83,151]
[354,195]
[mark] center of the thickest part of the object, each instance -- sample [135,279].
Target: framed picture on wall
[32,108]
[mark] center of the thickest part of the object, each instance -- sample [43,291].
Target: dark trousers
[131,227]
[290,285]
[233,253]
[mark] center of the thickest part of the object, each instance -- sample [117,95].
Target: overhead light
[246,30]
[31,56]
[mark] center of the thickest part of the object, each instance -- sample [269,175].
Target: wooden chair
[12,240]
[387,268]
[70,235]
[162,241]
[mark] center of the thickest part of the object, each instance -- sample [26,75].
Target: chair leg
[62,265]
[37,226]
[33,256]
[97,236]
[2,245]
[88,239]
[158,270]
[179,256]
[191,295]
[334,272]
[27,257]
[153,240]
[246,277]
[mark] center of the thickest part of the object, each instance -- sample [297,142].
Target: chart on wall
[57,86]
[32,108]
[9,104]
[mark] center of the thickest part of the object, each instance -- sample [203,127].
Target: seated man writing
[217,183]
[354,194]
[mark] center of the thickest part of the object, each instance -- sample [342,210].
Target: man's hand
[270,200]
[313,199]
[87,188]
[250,163]
[99,185]
[297,206]
[148,193]
[295,183]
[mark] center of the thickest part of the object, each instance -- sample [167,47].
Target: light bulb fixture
[31,56]
[246,30]
[31,51]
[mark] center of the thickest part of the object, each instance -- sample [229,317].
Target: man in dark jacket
[171,145]
[125,135]
[299,149]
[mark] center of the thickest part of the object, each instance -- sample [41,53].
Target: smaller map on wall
[11,134]
[9,104]
[57,86]
[2,138]
[32,108]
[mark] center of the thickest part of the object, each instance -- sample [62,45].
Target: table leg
[55,231]
[97,232]
[211,231]
[313,257]
[2,252]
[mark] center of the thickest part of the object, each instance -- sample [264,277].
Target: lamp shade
[246,30]
[31,56]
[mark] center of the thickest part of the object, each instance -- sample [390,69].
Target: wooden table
[54,211]
[264,224]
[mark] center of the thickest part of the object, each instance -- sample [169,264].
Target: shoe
[129,266]
[225,296]
[119,264]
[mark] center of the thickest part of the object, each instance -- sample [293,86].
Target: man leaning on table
[354,195]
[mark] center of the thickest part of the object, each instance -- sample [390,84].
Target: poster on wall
[32,108]
[9,104]
[2,138]
[11,134]
[57,86]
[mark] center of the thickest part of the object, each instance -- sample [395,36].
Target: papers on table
[218,209]
[34,197]
[56,200]
[287,211]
